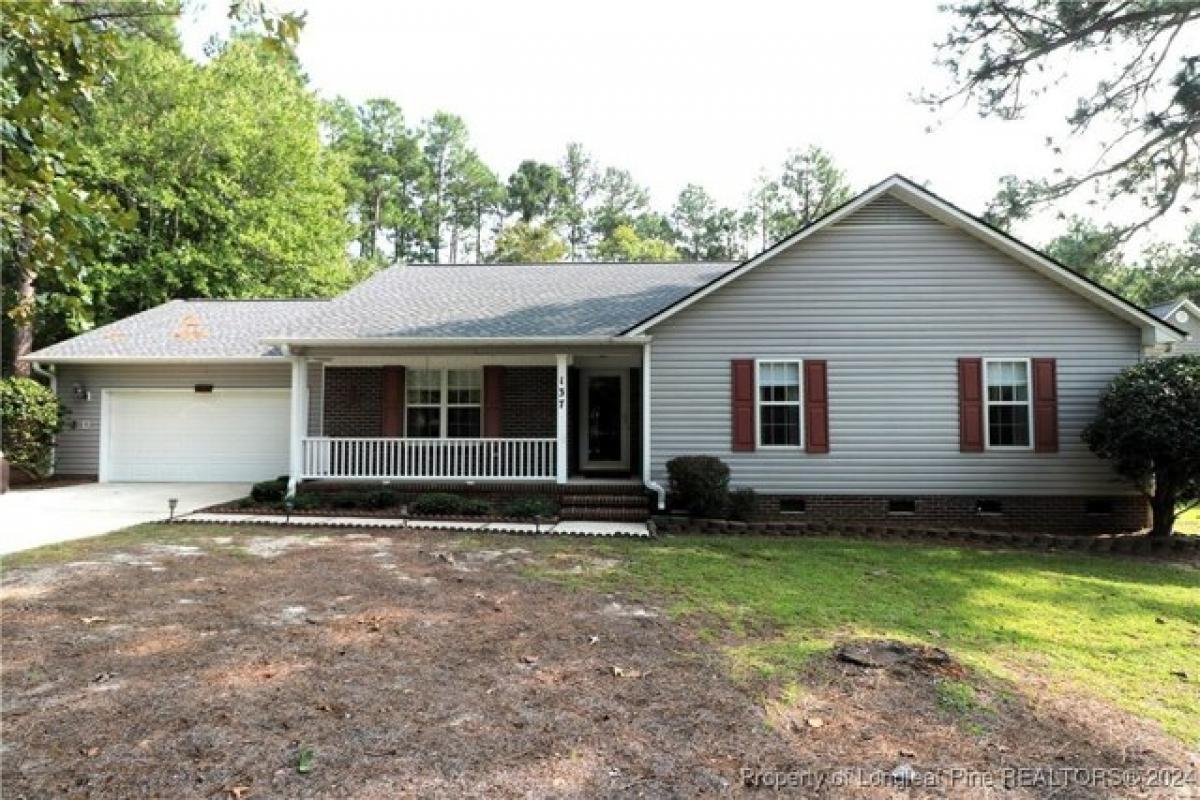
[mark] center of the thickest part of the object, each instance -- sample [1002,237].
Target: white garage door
[183,435]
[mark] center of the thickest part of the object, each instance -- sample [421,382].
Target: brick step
[601,514]
[631,500]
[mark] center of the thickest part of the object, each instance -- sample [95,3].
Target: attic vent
[190,328]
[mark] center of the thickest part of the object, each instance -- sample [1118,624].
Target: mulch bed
[420,665]
[396,512]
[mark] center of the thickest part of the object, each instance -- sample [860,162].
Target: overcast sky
[675,92]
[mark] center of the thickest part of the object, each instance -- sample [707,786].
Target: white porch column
[299,421]
[560,405]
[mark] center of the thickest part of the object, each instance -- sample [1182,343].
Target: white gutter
[53,380]
[646,476]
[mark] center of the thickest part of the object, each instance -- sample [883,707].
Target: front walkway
[35,517]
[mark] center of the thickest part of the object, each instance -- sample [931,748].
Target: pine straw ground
[215,662]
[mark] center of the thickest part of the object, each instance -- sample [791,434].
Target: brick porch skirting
[1033,514]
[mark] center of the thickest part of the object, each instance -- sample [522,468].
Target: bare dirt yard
[220,662]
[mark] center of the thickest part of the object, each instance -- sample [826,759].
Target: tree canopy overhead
[1140,119]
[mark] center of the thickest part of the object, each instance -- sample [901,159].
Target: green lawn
[1189,522]
[1108,626]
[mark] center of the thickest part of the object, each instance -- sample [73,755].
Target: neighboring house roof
[495,301]
[1154,329]
[1168,310]
[187,330]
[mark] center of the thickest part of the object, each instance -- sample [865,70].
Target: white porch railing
[424,459]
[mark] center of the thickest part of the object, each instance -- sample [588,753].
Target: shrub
[345,500]
[436,503]
[307,501]
[699,484]
[30,416]
[529,507]
[381,498]
[743,504]
[473,507]
[1148,424]
[269,491]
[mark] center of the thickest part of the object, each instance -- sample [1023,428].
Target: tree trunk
[1162,505]
[23,324]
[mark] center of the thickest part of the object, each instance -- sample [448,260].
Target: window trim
[758,402]
[444,404]
[988,403]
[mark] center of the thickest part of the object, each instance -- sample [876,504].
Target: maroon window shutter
[742,392]
[1045,405]
[970,405]
[816,408]
[493,400]
[393,401]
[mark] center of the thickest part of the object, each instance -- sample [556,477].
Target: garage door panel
[230,435]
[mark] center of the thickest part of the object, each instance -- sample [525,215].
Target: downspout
[52,378]
[646,477]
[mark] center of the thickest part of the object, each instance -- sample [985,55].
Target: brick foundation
[1060,515]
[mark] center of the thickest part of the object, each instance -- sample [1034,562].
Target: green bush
[307,501]
[529,507]
[346,500]
[699,484]
[1148,425]
[445,504]
[743,504]
[436,503]
[473,507]
[30,416]
[381,498]
[269,491]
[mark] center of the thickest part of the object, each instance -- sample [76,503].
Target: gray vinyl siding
[1190,346]
[78,450]
[891,298]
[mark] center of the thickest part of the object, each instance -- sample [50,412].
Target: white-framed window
[779,403]
[1008,395]
[443,403]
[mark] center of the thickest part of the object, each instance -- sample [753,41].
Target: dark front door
[604,420]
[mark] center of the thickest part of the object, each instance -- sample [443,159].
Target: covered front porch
[516,415]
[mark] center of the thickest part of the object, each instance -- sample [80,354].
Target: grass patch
[82,549]
[1189,522]
[1112,627]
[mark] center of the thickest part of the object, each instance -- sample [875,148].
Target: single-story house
[1184,315]
[896,358]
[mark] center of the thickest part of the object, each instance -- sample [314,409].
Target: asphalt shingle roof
[505,300]
[426,301]
[188,329]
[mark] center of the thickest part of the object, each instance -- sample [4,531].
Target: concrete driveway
[35,517]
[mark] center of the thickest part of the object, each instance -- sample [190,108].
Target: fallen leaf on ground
[529,659]
[621,672]
[239,792]
[92,620]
